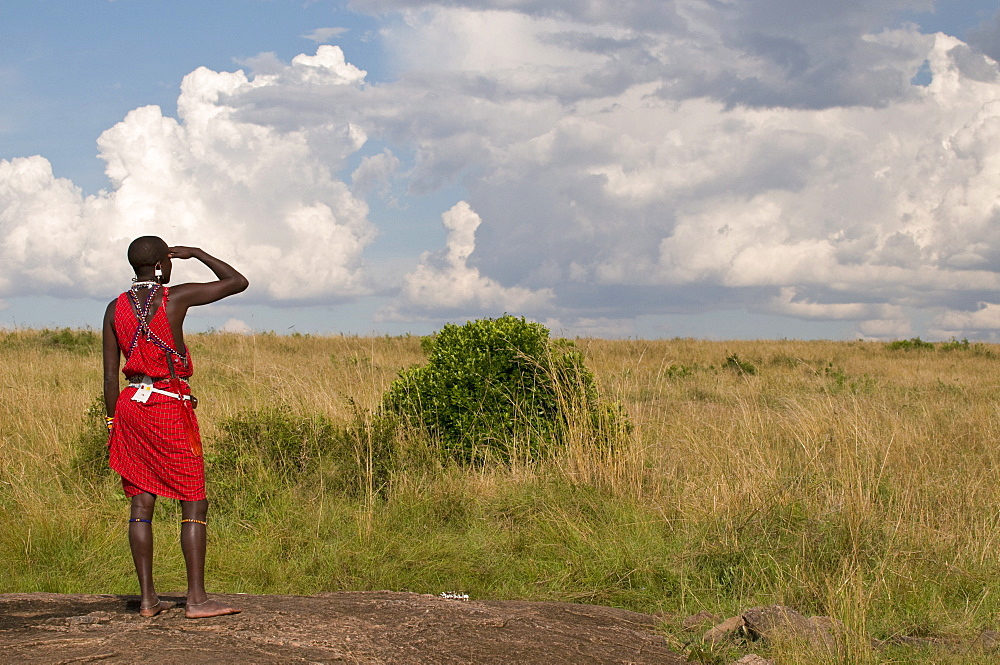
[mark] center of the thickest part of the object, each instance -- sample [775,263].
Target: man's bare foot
[209,608]
[153,610]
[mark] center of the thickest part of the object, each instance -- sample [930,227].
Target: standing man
[154,441]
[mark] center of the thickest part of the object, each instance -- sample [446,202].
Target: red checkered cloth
[150,446]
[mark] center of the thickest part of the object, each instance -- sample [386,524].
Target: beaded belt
[144,387]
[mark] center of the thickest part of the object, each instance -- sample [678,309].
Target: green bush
[909,344]
[741,367]
[955,345]
[77,341]
[273,438]
[81,342]
[498,389]
[90,452]
[276,444]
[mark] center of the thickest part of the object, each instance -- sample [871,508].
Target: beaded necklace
[142,315]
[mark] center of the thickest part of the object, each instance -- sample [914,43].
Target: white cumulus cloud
[324,35]
[258,196]
[445,280]
[786,303]
[236,326]
[985,317]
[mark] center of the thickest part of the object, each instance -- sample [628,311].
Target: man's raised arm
[229,283]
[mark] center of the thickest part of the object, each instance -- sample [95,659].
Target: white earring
[157,272]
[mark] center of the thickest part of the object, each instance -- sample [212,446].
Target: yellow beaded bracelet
[109,421]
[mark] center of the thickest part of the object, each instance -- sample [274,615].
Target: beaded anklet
[203,523]
[139,519]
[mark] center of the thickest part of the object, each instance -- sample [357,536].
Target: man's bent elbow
[236,284]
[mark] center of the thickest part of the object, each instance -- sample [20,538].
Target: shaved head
[146,251]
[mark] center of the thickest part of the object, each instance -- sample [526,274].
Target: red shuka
[151,442]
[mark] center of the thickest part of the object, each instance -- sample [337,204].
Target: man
[154,440]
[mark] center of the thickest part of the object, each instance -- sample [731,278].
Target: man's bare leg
[140,541]
[193,545]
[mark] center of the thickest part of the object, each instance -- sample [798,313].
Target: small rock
[753,659]
[917,642]
[700,619]
[988,640]
[906,641]
[729,629]
[767,621]
[85,619]
[762,621]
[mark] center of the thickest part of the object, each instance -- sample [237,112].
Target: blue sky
[73,69]
[619,168]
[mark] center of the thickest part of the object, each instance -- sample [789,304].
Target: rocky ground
[369,627]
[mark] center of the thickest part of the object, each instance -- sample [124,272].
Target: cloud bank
[262,196]
[617,159]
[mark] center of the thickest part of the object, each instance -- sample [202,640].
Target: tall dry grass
[842,478]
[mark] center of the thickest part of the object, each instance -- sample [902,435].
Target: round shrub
[495,389]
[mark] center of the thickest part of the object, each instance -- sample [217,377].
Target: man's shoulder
[109,312]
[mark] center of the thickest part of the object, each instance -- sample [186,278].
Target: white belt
[144,388]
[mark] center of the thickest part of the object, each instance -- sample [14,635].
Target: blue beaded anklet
[139,519]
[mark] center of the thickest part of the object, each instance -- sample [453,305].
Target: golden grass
[845,478]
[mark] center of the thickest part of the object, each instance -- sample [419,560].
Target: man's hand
[182,296]
[181,252]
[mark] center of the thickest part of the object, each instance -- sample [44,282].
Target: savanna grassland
[851,479]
